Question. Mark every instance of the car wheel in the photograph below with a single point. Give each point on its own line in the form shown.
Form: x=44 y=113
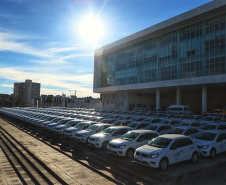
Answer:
x=130 y=153
x=105 y=144
x=163 y=164
x=212 y=153
x=194 y=157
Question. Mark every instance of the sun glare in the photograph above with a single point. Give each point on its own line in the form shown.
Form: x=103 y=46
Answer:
x=91 y=29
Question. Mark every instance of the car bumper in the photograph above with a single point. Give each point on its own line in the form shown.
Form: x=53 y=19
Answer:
x=146 y=162
x=116 y=151
x=80 y=139
x=94 y=144
x=204 y=152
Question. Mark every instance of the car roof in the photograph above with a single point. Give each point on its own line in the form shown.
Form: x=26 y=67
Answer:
x=118 y=127
x=143 y=131
x=173 y=136
x=216 y=131
x=160 y=124
x=102 y=124
x=185 y=127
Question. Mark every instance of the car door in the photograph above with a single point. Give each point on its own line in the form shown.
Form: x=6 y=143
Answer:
x=174 y=154
x=221 y=143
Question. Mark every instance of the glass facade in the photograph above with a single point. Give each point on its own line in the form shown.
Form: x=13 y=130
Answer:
x=193 y=51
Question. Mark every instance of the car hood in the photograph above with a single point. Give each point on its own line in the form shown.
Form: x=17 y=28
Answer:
x=147 y=149
x=53 y=124
x=119 y=141
x=98 y=135
x=202 y=142
x=61 y=126
x=84 y=132
x=72 y=129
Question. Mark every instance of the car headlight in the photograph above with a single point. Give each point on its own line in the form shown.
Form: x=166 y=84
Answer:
x=153 y=155
x=83 y=135
x=99 y=139
x=122 y=146
x=204 y=147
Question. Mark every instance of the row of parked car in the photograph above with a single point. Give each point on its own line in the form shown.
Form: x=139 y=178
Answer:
x=154 y=139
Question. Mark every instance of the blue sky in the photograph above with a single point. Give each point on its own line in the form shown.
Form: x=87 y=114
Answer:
x=41 y=40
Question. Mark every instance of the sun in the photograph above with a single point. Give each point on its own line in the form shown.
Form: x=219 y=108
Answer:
x=91 y=29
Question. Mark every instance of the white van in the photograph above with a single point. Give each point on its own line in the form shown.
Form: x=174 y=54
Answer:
x=179 y=109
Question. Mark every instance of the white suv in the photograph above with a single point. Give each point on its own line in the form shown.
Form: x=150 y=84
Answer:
x=102 y=139
x=129 y=142
x=167 y=149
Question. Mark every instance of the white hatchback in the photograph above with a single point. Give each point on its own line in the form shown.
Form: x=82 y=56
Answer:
x=101 y=140
x=129 y=142
x=211 y=142
x=167 y=149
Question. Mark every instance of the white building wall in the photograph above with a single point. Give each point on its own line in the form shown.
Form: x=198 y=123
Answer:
x=115 y=101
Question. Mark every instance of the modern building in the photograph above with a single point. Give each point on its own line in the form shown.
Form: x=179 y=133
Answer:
x=178 y=61
x=26 y=93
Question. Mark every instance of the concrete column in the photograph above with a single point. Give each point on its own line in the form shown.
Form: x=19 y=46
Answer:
x=204 y=99
x=178 y=98
x=157 y=99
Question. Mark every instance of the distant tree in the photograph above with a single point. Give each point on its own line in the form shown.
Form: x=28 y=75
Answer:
x=27 y=105
x=48 y=100
x=18 y=102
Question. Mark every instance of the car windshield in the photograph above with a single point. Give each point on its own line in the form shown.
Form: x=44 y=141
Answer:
x=108 y=131
x=207 y=136
x=69 y=122
x=151 y=127
x=92 y=128
x=56 y=119
x=130 y=136
x=208 y=127
x=176 y=131
x=184 y=124
x=160 y=142
x=61 y=121
x=132 y=125
x=116 y=123
x=80 y=125
x=164 y=121
x=208 y=119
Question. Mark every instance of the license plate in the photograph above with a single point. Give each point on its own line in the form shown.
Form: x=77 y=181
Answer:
x=140 y=158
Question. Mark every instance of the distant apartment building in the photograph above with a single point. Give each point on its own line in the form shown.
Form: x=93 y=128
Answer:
x=26 y=93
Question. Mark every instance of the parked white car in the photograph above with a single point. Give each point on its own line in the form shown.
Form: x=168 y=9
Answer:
x=83 y=135
x=101 y=140
x=161 y=128
x=60 y=129
x=70 y=132
x=184 y=130
x=211 y=142
x=165 y=150
x=129 y=142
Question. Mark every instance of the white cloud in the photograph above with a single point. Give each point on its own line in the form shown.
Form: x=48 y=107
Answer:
x=8 y=43
x=83 y=84
x=6 y=85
